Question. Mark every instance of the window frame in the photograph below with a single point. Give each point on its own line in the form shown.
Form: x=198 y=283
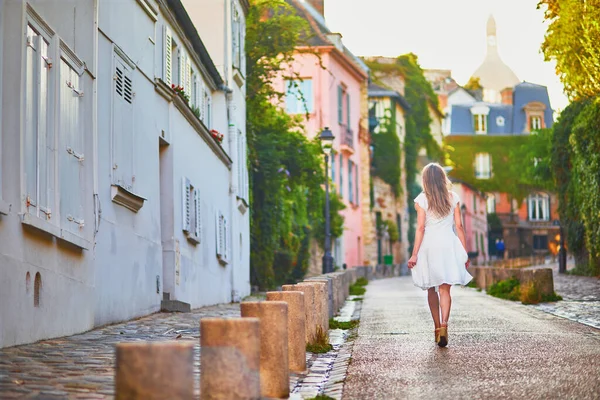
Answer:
x=350 y=181
x=478 y=120
x=341 y=168
x=539 y=124
x=483 y=169
x=536 y=203
x=191 y=211
x=303 y=96
x=52 y=223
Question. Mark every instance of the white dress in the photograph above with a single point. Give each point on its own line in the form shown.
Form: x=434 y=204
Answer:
x=442 y=257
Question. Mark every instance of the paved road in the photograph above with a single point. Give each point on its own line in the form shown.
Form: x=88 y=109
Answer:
x=498 y=350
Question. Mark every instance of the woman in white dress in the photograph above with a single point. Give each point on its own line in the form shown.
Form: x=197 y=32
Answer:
x=439 y=258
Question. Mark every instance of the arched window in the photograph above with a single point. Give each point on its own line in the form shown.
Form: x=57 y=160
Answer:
x=538 y=205
x=37 y=288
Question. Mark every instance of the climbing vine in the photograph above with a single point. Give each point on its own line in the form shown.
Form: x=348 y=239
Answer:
x=387 y=152
x=420 y=95
x=286 y=168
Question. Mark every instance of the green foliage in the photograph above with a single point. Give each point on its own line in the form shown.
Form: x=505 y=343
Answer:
x=532 y=161
x=356 y=290
x=573 y=41
x=321 y=397
x=473 y=84
x=392 y=230
x=420 y=95
x=508 y=289
x=336 y=219
x=361 y=282
x=566 y=186
x=387 y=152
x=286 y=169
x=506 y=165
x=320 y=343
x=334 y=324
x=413 y=191
x=494 y=222
x=585 y=142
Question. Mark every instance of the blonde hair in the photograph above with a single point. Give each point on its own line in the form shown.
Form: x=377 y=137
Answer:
x=436 y=187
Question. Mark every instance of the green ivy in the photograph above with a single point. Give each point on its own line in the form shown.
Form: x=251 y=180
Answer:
x=286 y=168
x=420 y=95
x=387 y=152
x=566 y=187
x=505 y=165
x=585 y=142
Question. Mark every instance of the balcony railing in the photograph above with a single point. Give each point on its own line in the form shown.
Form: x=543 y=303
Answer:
x=347 y=136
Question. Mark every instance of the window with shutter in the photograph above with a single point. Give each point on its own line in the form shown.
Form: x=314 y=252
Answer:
x=357 y=187
x=341 y=189
x=348 y=110
x=188 y=76
x=225 y=240
x=350 y=182
x=180 y=68
x=123 y=136
x=191 y=221
x=208 y=108
x=167 y=56
x=340 y=105
x=71 y=156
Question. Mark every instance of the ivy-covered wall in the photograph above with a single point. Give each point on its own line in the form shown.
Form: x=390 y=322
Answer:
x=504 y=159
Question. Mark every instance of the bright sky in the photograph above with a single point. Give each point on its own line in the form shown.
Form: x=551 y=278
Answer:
x=449 y=34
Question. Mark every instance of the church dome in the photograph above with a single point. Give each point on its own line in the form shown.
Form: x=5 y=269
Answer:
x=494 y=75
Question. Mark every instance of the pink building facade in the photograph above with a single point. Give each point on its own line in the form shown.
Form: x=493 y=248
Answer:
x=327 y=88
x=474 y=212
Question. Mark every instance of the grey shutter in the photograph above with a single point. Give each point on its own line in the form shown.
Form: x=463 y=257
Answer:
x=197 y=220
x=167 y=57
x=186 y=205
x=340 y=105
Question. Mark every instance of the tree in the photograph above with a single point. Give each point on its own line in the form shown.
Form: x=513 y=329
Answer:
x=286 y=169
x=573 y=41
x=473 y=84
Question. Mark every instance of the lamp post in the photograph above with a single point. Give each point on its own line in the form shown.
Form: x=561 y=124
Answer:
x=326 y=143
x=562 y=253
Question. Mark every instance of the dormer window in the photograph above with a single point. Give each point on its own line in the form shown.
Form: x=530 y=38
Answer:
x=480 y=113
x=480 y=124
x=535 y=123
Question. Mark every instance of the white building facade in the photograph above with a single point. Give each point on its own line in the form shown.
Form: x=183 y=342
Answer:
x=117 y=194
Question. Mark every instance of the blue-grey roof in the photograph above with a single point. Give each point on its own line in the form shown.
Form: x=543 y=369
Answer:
x=461 y=119
x=381 y=91
x=525 y=93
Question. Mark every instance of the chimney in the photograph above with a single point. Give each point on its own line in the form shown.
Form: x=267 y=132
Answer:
x=318 y=5
x=507 y=96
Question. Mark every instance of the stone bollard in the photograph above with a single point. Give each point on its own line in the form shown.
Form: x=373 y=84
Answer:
x=159 y=370
x=296 y=328
x=310 y=322
x=328 y=281
x=230 y=354
x=321 y=307
x=274 y=365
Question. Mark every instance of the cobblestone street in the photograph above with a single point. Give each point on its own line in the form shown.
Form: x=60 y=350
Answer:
x=581 y=298
x=82 y=366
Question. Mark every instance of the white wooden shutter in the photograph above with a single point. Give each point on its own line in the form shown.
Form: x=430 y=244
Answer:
x=186 y=205
x=167 y=57
x=200 y=103
x=188 y=77
x=225 y=239
x=219 y=235
x=71 y=157
x=197 y=220
x=181 y=66
x=123 y=130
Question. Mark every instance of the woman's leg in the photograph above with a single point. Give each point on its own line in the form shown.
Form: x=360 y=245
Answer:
x=445 y=302
x=434 y=306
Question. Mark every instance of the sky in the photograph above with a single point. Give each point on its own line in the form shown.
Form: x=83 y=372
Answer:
x=449 y=34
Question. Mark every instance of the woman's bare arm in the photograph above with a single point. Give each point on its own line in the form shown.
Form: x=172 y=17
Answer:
x=460 y=230
x=418 y=235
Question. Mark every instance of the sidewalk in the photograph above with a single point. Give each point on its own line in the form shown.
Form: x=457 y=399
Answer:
x=498 y=350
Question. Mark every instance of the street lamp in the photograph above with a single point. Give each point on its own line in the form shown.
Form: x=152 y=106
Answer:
x=562 y=253
x=327 y=142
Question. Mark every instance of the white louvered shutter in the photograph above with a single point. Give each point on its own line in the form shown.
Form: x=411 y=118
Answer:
x=188 y=77
x=180 y=66
x=167 y=57
x=198 y=220
x=186 y=205
x=200 y=103
x=218 y=235
x=225 y=239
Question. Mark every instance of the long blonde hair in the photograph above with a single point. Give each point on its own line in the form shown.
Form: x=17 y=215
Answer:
x=436 y=187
